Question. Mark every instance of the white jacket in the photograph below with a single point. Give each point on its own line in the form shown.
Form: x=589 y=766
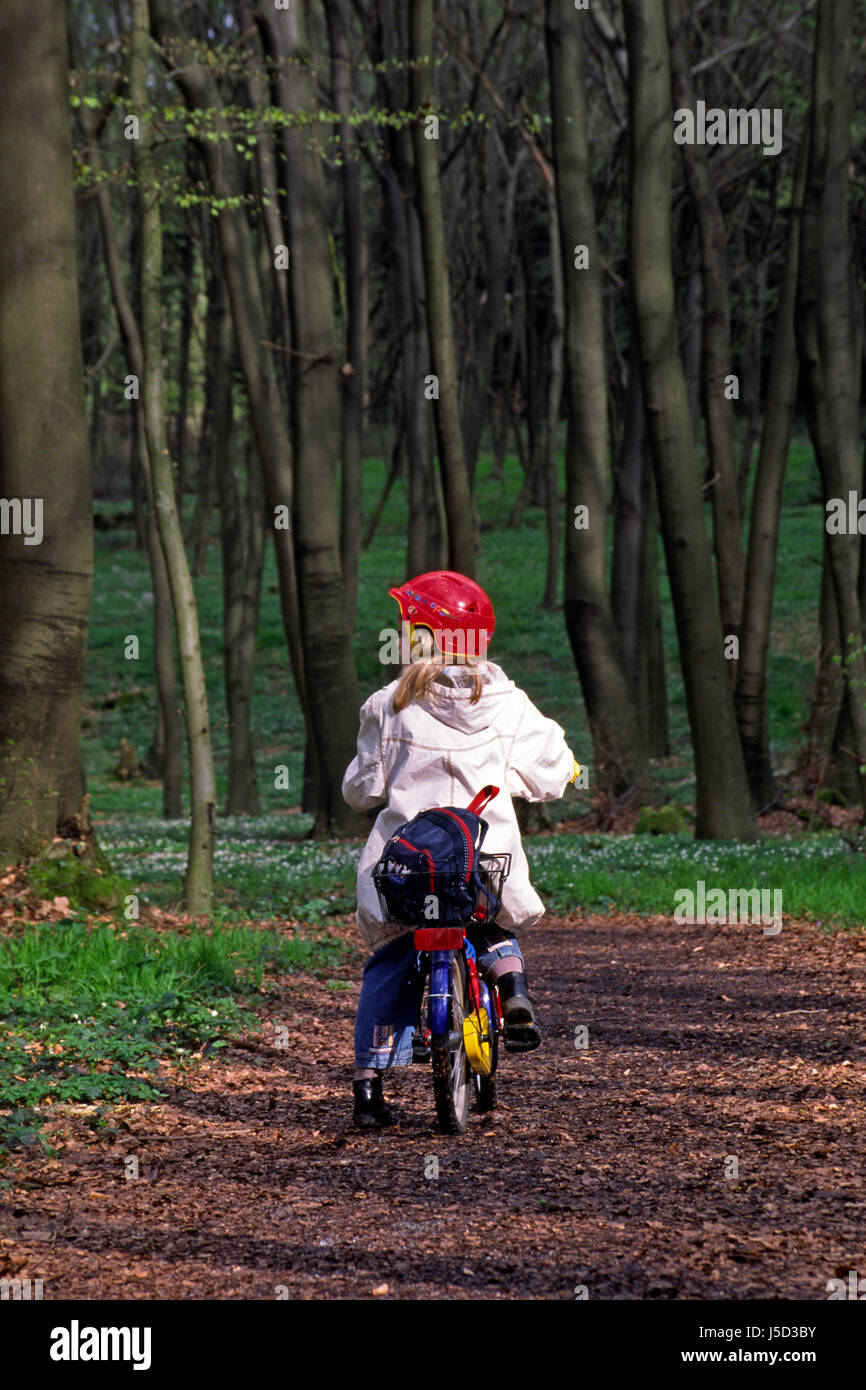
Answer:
x=440 y=751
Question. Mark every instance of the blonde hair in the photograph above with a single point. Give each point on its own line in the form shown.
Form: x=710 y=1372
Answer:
x=419 y=676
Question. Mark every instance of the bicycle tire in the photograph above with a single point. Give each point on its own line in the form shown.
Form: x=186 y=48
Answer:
x=451 y=1083
x=485 y=1086
x=485 y=1093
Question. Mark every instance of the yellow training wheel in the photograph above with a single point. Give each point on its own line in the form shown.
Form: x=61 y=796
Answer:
x=478 y=1042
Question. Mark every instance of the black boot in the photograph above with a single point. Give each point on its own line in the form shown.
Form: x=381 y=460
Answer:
x=522 y=1033
x=371 y=1112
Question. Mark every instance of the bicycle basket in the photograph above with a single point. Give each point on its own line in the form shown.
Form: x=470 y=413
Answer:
x=493 y=870
x=441 y=897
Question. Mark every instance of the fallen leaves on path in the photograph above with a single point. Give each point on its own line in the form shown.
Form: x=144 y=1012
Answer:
x=705 y=1144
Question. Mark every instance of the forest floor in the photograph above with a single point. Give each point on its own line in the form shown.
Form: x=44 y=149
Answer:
x=706 y=1144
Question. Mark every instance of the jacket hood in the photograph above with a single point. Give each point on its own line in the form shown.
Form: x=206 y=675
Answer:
x=450 y=698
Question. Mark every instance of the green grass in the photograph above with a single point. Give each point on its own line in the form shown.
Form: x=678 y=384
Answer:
x=261 y=870
x=821 y=879
x=262 y=873
x=87 y=1014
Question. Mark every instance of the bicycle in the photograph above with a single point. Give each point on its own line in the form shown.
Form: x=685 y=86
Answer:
x=460 y=1014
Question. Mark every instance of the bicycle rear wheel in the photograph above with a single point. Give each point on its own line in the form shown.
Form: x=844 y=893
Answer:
x=451 y=1080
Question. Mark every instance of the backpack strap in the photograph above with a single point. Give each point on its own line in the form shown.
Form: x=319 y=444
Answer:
x=480 y=799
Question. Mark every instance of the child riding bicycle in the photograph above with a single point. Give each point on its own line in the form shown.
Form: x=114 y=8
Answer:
x=450 y=723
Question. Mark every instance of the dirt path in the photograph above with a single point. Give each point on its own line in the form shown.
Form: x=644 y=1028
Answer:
x=603 y=1167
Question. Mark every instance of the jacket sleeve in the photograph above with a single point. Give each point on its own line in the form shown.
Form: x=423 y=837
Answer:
x=540 y=764
x=364 y=783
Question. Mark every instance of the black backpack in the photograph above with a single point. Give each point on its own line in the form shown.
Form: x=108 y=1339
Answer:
x=429 y=872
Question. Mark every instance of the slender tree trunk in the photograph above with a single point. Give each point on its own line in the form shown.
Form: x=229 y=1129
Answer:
x=354 y=371
x=752 y=385
x=425 y=538
x=533 y=390
x=242 y=531
x=269 y=185
x=394 y=469
x=452 y=460
x=829 y=689
x=198 y=881
x=619 y=751
x=497 y=218
x=653 y=684
x=332 y=682
x=164 y=758
x=45 y=477
x=694 y=337
x=827 y=331
x=554 y=403
x=634 y=593
x=723 y=803
x=751 y=687
x=718 y=411
x=632 y=491
x=186 y=269
x=407 y=281
x=217 y=415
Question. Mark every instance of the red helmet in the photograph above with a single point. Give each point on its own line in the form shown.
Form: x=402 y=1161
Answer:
x=455 y=609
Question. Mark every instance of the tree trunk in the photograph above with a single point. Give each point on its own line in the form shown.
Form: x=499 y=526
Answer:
x=216 y=420
x=723 y=804
x=269 y=185
x=407 y=277
x=634 y=596
x=332 y=683
x=354 y=370
x=186 y=268
x=827 y=332
x=554 y=403
x=198 y=881
x=619 y=751
x=716 y=338
x=496 y=221
x=424 y=538
x=452 y=461
x=829 y=688
x=632 y=492
x=653 y=684
x=242 y=532
x=534 y=395
x=751 y=686
x=693 y=350
x=751 y=385
x=45 y=478
x=164 y=758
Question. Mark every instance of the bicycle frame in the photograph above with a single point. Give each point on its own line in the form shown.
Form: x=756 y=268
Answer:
x=441 y=944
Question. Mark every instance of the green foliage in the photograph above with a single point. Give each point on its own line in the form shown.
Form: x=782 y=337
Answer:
x=830 y=797
x=88 y=889
x=88 y=1013
x=664 y=820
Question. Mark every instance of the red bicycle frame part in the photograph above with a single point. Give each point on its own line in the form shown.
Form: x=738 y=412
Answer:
x=438 y=938
x=474 y=992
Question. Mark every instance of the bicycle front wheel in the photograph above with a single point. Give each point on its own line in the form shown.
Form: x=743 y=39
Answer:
x=451 y=1079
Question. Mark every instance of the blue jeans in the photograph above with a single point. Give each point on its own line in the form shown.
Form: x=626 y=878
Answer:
x=391 y=996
